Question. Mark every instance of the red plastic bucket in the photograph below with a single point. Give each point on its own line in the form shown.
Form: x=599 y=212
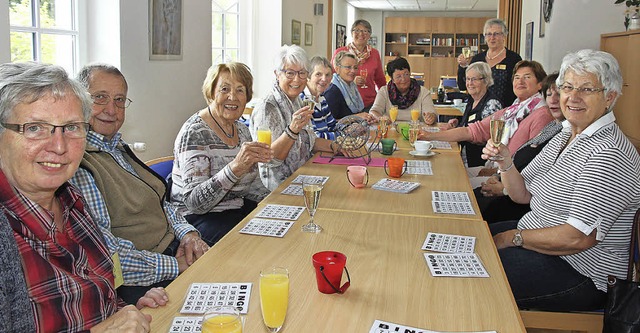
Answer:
x=329 y=266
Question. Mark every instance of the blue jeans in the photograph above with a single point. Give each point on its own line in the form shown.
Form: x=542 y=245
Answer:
x=214 y=225
x=545 y=282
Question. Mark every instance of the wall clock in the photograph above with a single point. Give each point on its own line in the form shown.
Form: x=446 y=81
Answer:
x=547 y=5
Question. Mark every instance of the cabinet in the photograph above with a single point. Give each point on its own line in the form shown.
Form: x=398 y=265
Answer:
x=431 y=44
x=625 y=47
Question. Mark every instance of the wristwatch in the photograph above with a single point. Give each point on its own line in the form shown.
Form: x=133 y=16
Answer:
x=517 y=238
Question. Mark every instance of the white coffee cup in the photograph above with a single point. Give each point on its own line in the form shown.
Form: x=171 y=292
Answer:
x=457 y=102
x=423 y=147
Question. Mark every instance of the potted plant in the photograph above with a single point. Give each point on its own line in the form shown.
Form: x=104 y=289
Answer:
x=631 y=15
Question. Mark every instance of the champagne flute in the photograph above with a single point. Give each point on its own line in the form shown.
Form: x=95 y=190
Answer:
x=274 y=297
x=264 y=136
x=383 y=126
x=311 y=194
x=466 y=52
x=414 y=129
x=363 y=73
x=309 y=101
x=393 y=114
x=497 y=132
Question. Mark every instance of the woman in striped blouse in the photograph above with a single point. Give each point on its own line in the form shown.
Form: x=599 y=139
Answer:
x=583 y=192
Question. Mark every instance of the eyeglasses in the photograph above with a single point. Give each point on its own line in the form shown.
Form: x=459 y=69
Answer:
x=493 y=34
x=102 y=99
x=41 y=131
x=349 y=68
x=290 y=74
x=401 y=76
x=359 y=31
x=567 y=89
x=474 y=79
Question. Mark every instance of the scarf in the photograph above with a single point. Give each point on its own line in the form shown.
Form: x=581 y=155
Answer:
x=518 y=111
x=284 y=102
x=403 y=101
x=362 y=56
x=350 y=93
x=545 y=134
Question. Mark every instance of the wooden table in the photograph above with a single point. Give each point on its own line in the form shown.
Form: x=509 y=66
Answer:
x=389 y=277
x=448 y=110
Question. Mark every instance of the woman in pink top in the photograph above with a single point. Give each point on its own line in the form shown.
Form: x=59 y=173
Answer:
x=368 y=59
x=524 y=119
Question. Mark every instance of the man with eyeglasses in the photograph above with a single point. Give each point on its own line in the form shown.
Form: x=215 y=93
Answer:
x=501 y=60
x=127 y=199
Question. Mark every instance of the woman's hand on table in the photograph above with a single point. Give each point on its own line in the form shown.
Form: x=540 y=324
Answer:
x=371 y=119
x=430 y=118
x=492 y=187
x=128 y=319
x=453 y=123
x=153 y=298
x=249 y=155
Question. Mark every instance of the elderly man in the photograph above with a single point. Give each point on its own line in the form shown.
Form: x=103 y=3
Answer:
x=126 y=198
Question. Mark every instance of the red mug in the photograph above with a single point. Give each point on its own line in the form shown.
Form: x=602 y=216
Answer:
x=395 y=167
x=329 y=266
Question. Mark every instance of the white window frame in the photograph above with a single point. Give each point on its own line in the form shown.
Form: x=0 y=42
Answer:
x=37 y=31
x=224 y=48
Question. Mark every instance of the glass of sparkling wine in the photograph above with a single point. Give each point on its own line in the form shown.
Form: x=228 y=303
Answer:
x=222 y=319
x=264 y=136
x=466 y=52
x=311 y=194
x=274 y=297
x=363 y=73
x=497 y=132
x=414 y=129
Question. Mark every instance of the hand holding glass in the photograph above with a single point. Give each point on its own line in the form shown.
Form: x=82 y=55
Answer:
x=497 y=132
x=363 y=73
x=311 y=193
x=274 y=297
x=466 y=52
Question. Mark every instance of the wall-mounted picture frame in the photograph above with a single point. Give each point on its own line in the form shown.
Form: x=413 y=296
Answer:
x=165 y=29
x=528 y=45
x=296 y=32
x=308 y=34
x=341 y=36
x=541 y=27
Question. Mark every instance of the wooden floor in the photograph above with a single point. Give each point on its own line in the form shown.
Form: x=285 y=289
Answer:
x=536 y=330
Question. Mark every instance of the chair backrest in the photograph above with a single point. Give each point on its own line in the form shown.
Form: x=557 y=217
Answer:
x=161 y=165
x=449 y=81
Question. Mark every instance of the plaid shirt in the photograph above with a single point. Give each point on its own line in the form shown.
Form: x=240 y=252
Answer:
x=139 y=268
x=69 y=275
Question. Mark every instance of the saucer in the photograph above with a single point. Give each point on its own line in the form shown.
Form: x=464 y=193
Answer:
x=416 y=153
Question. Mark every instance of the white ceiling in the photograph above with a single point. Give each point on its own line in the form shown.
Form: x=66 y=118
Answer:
x=425 y=5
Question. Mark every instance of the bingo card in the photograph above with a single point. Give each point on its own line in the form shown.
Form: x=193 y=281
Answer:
x=263 y=227
x=441 y=145
x=450 y=207
x=455 y=265
x=450 y=196
x=386 y=184
x=202 y=296
x=186 y=324
x=310 y=179
x=282 y=212
x=380 y=326
x=293 y=189
x=416 y=167
x=449 y=243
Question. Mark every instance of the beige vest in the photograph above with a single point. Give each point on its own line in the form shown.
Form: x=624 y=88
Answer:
x=134 y=204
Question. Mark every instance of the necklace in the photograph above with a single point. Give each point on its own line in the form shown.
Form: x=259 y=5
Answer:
x=233 y=129
x=495 y=56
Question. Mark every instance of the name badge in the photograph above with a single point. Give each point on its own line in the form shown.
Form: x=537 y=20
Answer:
x=472 y=117
x=117 y=270
x=503 y=67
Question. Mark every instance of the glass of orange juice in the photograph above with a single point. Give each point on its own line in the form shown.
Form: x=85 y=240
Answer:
x=274 y=297
x=264 y=135
x=393 y=114
x=222 y=319
x=415 y=114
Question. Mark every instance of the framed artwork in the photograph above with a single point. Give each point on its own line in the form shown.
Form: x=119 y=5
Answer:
x=341 y=36
x=308 y=34
x=296 y=32
x=165 y=29
x=528 y=46
x=542 y=27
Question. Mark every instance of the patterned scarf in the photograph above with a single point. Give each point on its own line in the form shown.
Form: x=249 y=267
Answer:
x=518 y=111
x=350 y=93
x=403 y=101
x=362 y=56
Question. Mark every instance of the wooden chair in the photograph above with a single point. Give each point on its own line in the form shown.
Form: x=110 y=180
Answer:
x=589 y=322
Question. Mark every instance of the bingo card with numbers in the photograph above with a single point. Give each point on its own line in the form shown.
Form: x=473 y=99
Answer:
x=202 y=296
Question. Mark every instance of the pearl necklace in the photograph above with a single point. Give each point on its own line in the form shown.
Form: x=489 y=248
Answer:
x=495 y=56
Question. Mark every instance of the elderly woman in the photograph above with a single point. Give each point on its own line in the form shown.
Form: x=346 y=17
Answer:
x=558 y=256
x=342 y=96
x=370 y=74
x=523 y=120
x=215 y=173
x=281 y=111
x=481 y=104
x=43 y=131
x=405 y=93
x=493 y=200
x=501 y=60
x=319 y=80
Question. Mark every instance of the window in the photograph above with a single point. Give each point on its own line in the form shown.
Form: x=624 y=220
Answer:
x=44 y=31
x=225 y=32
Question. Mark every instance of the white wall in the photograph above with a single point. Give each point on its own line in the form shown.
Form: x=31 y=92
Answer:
x=5 y=50
x=101 y=34
x=267 y=36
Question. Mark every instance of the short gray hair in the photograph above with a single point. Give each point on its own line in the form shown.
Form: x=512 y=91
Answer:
x=84 y=76
x=484 y=70
x=27 y=82
x=602 y=64
x=496 y=21
x=337 y=61
x=318 y=61
x=365 y=23
x=291 y=55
